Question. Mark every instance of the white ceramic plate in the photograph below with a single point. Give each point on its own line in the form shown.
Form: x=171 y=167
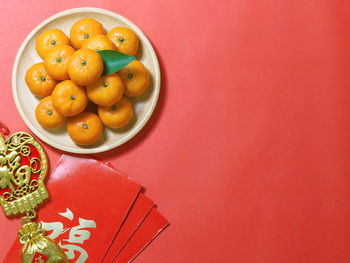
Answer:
x=26 y=102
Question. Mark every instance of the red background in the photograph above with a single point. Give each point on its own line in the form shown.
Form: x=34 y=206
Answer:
x=247 y=153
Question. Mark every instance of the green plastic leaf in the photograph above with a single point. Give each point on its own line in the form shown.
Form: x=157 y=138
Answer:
x=114 y=60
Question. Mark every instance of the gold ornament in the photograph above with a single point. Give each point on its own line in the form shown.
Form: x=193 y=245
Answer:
x=36 y=246
x=23 y=167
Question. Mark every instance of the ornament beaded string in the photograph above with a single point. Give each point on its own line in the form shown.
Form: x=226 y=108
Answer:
x=4 y=130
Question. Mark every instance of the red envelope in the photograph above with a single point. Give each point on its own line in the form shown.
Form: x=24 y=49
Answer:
x=137 y=214
x=151 y=227
x=89 y=202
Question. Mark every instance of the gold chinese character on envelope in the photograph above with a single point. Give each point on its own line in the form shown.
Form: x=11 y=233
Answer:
x=23 y=167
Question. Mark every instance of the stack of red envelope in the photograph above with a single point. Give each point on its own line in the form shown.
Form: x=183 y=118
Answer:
x=96 y=213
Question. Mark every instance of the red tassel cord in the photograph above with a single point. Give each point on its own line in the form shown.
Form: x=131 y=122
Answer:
x=4 y=130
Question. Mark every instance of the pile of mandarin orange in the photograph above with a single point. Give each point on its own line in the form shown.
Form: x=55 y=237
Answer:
x=71 y=76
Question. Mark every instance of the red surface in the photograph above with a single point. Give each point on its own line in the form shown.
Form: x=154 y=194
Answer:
x=135 y=218
x=247 y=153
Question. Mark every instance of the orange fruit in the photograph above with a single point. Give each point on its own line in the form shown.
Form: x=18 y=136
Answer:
x=124 y=39
x=98 y=42
x=56 y=61
x=69 y=99
x=50 y=39
x=47 y=116
x=85 y=66
x=84 y=29
x=117 y=115
x=106 y=91
x=135 y=78
x=85 y=128
x=38 y=80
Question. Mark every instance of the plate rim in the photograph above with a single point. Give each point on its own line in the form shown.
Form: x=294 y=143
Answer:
x=139 y=126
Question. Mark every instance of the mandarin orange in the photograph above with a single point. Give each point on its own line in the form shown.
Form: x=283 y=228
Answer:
x=85 y=128
x=56 y=61
x=117 y=115
x=98 y=42
x=84 y=29
x=124 y=39
x=106 y=91
x=85 y=66
x=47 y=116
x=39 y=81
x=50 y=39
x=135 y=78
x=69 y=99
